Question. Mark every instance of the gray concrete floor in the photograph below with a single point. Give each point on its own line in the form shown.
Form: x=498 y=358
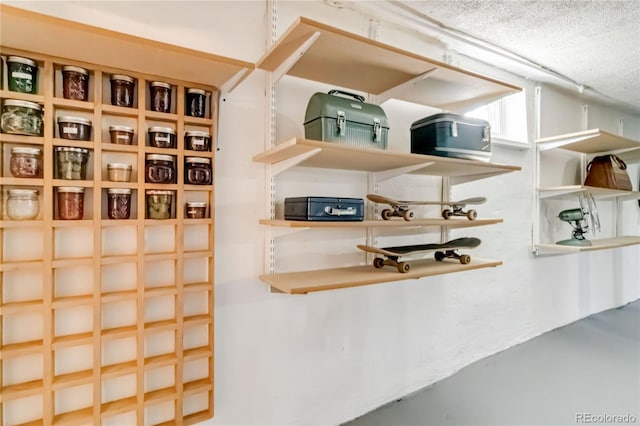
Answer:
x=590 y=367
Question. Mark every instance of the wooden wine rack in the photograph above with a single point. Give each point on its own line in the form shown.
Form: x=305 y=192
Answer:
x=107 y=321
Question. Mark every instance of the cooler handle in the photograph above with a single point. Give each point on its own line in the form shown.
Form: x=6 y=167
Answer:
x=349 y=211
x=377 y=130
x=342 y=92
x=341 y=123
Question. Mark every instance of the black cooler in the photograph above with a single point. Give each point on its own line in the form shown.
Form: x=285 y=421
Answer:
x=326 y=209
x=452 y=135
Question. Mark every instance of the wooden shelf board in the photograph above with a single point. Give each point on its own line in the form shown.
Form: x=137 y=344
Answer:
x=197 y=417
x=120 y=406
x=197 y=386
x=38 y=422
x=116 y=296
x=71 y=262
x=335 y=156
x=59 y=223
x=21 y=223
x=570 y=192
x=13 y=181
x=207 y=188
x=120 y=111
x=591 y=141
x=451 y=223
x=72 y=379
x=8 y=94
x=597 y=244
x=65 y=302
x=13 y=350
x=165 y=151
x=158 y=257
x=74 y=144
x=121 y=369
x=331 y=279
x=64 y=182
x=21 y=307
x=21 y=390
x=119 y=148
x=129 y=185
x=158 y=326
x=160 y=222
x=161 y=116
x=81 y=416
x=195 y=287
x=62 y=103
x=160 y=361
x=72 y=340
x=21 y=265
x=375 y=67
x=160 y=395
x=206 y=221
x=195 y=353
x=196 y=254
x=169 y=290
x=197 y=320
x=21 y=139
x=111 y=260
x=58 y=37
x=110 y=223
x=197 y=121
x=119 y=332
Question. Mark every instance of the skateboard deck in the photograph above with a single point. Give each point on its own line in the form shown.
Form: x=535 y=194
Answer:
x=449 y=250
x=400 y=208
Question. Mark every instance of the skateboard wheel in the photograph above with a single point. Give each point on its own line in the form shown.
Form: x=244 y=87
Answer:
x=387 y=214
x=465 y=259
x=439 y=256
x=447 y=213
x=403 y=267
x=408 y=215
x=472 y=214
x=378 y=262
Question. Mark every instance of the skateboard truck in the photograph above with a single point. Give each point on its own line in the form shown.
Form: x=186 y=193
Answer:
x=402 y=267
x=456 y=210
x=399 y=211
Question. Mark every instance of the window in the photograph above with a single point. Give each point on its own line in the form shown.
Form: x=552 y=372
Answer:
x=507 y=117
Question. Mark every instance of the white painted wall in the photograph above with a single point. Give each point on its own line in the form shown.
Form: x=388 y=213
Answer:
x=328 y=357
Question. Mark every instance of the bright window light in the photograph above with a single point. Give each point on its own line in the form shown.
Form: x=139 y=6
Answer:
x=507 y=117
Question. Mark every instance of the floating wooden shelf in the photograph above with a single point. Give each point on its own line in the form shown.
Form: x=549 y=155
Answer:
x=308 y=153
x=571 y=191
x=331 y=279
x=598 y=244
x=592 y=141
x=330 y=55
x=452 y=223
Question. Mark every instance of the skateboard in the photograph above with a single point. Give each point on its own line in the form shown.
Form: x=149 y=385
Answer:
x=445 y=250
x=401 y=208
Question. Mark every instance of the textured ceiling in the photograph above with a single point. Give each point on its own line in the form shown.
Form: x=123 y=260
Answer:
x=594 y=43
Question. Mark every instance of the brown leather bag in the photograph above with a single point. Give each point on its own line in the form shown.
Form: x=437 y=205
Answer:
x=608 y=171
